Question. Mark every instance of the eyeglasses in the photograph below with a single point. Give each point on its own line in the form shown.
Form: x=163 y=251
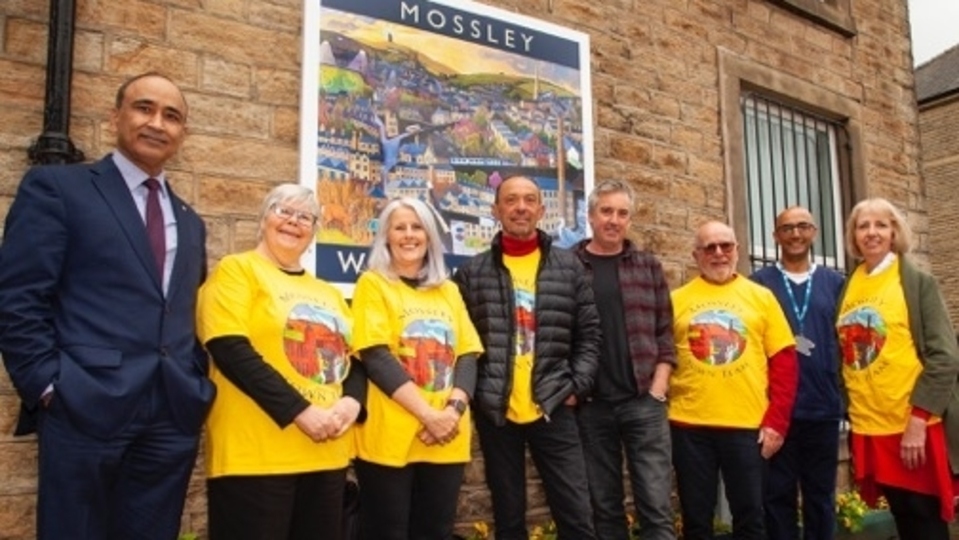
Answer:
x=803 y=227
x=724 y=247
x=303 y=219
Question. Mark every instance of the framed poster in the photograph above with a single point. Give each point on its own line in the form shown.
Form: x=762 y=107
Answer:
x=438 y=100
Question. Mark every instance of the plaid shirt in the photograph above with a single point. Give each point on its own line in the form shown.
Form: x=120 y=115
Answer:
x=648 y=310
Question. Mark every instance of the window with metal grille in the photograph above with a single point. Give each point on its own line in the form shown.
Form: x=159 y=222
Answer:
x=793 y=157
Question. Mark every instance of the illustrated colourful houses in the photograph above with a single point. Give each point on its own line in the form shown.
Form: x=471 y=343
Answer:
x=315 y=350
x=427 y=360
x=715 y=344
x=526 y=324
x=860 y=343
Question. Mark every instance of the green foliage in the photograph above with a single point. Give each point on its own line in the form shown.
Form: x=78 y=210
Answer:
x=335 y=80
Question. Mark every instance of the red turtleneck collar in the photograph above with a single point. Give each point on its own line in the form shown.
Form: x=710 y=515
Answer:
x=515 y=247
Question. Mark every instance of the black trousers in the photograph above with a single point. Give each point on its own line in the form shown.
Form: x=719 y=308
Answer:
x=304 y=506
x=557 y=452
x=415 y=502
x=916 y=514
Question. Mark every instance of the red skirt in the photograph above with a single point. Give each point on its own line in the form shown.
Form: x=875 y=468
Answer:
x=876 y=461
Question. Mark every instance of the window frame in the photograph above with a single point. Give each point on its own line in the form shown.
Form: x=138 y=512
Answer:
x=833 y=14
x=738 y=75
x=770 y=112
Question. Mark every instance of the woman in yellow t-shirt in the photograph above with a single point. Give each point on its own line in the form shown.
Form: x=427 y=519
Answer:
x=900 y=364
x=419 y=347
x=278 y=439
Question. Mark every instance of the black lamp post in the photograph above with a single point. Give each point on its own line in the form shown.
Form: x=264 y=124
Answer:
x=54 y=144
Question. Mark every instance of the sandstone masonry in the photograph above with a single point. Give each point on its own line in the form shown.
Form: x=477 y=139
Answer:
x=660 y=70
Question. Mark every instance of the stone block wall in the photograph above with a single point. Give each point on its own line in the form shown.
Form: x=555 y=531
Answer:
x=940 y=164
x=656 y=79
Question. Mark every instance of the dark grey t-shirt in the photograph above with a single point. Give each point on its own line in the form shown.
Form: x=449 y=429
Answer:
x=615 y=381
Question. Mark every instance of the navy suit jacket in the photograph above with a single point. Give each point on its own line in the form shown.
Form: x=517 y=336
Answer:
x=82 y=303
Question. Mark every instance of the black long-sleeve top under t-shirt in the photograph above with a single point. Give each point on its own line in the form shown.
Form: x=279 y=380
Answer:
x=386 y=372
x=243 y=366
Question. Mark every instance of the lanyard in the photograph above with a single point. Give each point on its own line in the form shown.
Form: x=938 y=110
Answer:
x=800 y=313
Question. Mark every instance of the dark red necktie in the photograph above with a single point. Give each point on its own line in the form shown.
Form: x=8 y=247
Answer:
x=155 y=228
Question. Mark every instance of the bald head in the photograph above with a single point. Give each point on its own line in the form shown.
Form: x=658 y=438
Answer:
x=713 y=228
x=795 y=232
x=715 y=252
x=794 y=214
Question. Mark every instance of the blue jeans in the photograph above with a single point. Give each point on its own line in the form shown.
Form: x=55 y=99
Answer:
x=639 y=428
x=556 y=450
x=807 y=462
x=700 y=454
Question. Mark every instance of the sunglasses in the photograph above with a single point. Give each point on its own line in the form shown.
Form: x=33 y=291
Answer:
x=724 y=247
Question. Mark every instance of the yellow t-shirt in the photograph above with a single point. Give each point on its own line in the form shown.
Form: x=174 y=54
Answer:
x=426 y=330
x=880 y=364
x=724 y=335
x=301 y=327
x=522 y=409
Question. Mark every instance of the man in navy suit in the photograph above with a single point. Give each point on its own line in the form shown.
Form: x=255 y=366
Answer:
x=99 y=270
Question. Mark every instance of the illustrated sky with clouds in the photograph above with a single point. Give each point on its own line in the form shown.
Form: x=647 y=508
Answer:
x=448 y=51
x=524 y=298
x=865 y=317
x=720 y=318
x=432 y=328
x=305 y=312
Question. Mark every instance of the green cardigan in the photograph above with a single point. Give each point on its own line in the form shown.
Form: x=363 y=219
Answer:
x=935 y=339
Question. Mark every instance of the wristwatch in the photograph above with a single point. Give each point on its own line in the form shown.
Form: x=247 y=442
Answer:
x=458 y=405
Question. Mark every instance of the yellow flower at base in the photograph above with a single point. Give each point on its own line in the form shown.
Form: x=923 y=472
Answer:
x=850 y=511
x=480 y=531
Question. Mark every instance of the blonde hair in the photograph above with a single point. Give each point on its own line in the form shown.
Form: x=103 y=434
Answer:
x=902 y=232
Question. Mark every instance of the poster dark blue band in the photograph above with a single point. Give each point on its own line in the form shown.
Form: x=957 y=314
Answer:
x=465 y=25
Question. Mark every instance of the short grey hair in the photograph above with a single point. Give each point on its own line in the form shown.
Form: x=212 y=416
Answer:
x=902 y=232
x=611 y=186
x=434 y=271
x=288 y=193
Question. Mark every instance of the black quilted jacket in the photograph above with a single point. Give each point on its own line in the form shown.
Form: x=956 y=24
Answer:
x=568 y=335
